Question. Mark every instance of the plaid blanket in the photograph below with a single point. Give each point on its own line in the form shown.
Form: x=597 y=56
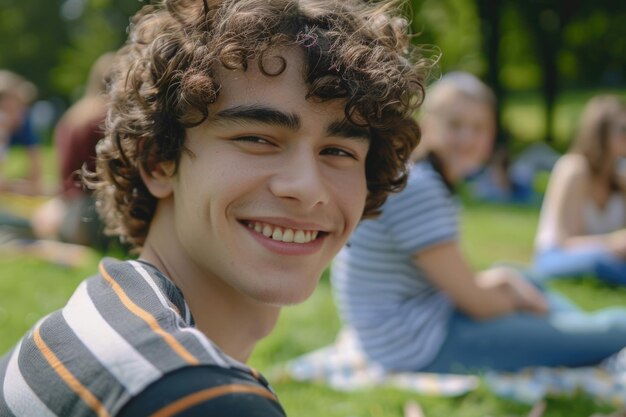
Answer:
x=344 y=366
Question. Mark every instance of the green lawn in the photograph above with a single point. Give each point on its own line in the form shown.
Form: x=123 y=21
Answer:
x=30 y=288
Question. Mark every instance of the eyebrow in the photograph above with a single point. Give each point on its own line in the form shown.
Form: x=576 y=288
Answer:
x=260 y=114
x=270 y=116
x=345 y=129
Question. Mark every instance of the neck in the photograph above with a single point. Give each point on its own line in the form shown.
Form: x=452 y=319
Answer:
x=230 y=319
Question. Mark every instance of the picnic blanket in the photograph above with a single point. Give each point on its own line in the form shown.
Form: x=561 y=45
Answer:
x=343 y=366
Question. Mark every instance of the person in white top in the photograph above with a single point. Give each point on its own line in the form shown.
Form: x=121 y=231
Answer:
x=582 y=226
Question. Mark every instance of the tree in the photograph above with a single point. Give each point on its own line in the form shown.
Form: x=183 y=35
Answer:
x=99 y=27
x=452 y=27
x=32 y=33
x=54 y=42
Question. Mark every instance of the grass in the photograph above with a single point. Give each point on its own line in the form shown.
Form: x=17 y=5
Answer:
x=31 y=288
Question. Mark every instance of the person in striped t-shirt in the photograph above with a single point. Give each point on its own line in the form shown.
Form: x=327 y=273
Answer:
x=412 y=298
x=244 y=141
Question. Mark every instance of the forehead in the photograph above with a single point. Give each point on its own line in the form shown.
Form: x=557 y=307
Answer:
x=464 y=107
x=10 y=101
x=285 y=91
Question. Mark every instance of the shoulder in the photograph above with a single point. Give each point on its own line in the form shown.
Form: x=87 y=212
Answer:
x=423 y=183
x=421 y=215
x=146 y=309
x=425 y=194
x=572 y=165
x=205 y=390
x=424 y=173
x=570 y=169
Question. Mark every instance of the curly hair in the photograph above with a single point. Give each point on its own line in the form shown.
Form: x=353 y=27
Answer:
x=163 y=82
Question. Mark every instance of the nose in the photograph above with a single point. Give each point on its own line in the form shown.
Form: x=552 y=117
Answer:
x=301 y=179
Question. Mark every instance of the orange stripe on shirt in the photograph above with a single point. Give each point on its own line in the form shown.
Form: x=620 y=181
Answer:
x=193 y=400
x=149 y=319
x=74 y=384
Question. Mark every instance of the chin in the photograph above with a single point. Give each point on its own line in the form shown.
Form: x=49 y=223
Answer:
x=280 y=296
x=298 y=298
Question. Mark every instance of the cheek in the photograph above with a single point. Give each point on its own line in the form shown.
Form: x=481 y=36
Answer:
x=446 y=136
x=350 y=193
x=438 y=137
x=485 y=143
x=442 y=143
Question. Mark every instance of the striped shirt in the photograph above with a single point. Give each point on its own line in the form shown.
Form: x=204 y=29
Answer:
x=400 y=318
x=126 y=345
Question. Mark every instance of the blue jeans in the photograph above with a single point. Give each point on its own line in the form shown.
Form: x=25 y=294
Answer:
x=567 y=336
x=590 y=261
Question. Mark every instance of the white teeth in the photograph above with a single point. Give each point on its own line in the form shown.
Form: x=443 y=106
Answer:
x=284 y=235
x=278 y=234
x=288 y=236
x=298 y=236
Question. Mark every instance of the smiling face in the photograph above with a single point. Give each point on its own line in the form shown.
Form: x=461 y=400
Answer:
x=270 y=190
x=461 y=133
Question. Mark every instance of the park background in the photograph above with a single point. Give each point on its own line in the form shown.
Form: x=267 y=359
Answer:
x=544 y=59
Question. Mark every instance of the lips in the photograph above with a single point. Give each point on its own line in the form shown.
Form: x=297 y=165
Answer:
x=283 y=234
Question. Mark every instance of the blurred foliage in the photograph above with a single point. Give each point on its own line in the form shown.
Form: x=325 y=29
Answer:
x=453 y=27
x=588 y=36
x=595 y=43
x=32 y=33
x=54 y=42
x=101 y=27
x=521 y=69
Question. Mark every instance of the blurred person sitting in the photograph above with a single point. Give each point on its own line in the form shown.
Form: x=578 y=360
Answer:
x=16 y=95
x=406 y=289
x=71 y=216
x=508 y=179
x=581 y=229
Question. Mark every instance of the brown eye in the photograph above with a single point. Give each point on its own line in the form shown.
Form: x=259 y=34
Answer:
x=338 y=152
x=252 y=139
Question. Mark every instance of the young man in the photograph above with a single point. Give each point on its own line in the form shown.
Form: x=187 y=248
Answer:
x=244 y=141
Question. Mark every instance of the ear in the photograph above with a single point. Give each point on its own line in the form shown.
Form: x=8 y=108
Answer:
x=159 y=179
